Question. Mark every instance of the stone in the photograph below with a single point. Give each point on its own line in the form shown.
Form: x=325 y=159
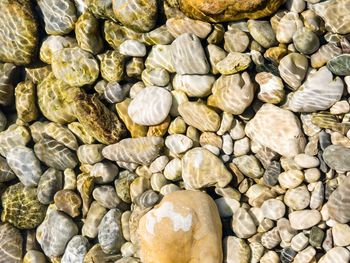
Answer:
x=271 y=87
x=90 y=153
x=289 y=23
x=297 y=198
x=262 y=33
x=158 y=36
x=339 y=65
x=293 y=68
x=299 y=242
x=242 y=224
x=213 y=11
x=11 y=243
x=34 y=256
x=341 y=235
x=304 y=219
x=273 y=209
x=95 y=254
x=150 y=106
x=68 y=201
x=201 y=168
x=6 y=174
x=306 y=161
x=265 y=129
x=324 y=54
x=285 y=230
x=227 y=206
x=61 y=134
x=236 y=250
x=51 y=181
x=139 y=15
x=271 y=239
x=338 y=203
x=232 y=93
x=233 y=63
x=306 y=41
x=179 y=26
x=249 y=166
x=200 y=116
x=270 y=257
x=311 y=96
x=25 y=165
x=55 y=232
x=6 y=75
x=178 y=143
x=132 y=48
x=135 y=150
x=188 y=55
x=235 y=40
x=173 y=170
x=160 y=56
x=76 y=250
x=93 y=220
x=25 y=101
x=291 y=178
x=336 y=157
x=112 y=65
x=287 y=255
x=14 y=135
x=334 y=14
x=341 y=254
x=110 y=234
x=52 y=44
x=316 y=237
x=19 y=34
x=59 y=16
x=106 y=195
x=194 y=85
x=173 y=219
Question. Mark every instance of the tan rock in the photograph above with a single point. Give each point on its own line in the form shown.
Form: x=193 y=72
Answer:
x=184 y=227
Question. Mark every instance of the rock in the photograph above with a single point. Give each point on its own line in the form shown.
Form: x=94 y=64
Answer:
x=93 y=220
x=299 y=242
x=18 y=36
x=95 y=254
x=235 y=40
x=312 y=96
x=339 y=65
x=336 y=157
x=11 y=243
x=287 y=255
x=158 y=36
x=61 y=134
x=201 y=168
x=98 y=120
x=291 y=178
x=59 y=16
x=265 y=129
x=114 y=92
x=341 y=235
x=249 y=166
x=285 y=230
x=271 y=87
x=194 y=85
x=106 y=196
x=271 y=239
x=26 y=107
x=161 y=57
x=188 y=55
x=293 y=68
x=236 y=250
x=55 y=155
x=101 y=8
x=213 y=11
x=6 y=77
x=273 y=209
x=334 y=13
x=338 y=204
x=289 y=23
x=90 y=153
x=33 y=256
x=306 y=161
x=112 y=65
x=76 y=250
x=25 y=165
x=304 y=219
x=341 y=254
x=55 y=232
x=178 y=143
x=200 y=116
x=316 y=237
x=232 y=93
x=297 y=198
x=262 y=33
x=14 y=135
x=139 y=15
x=51 y=181
x=227 y=206
x=324 y=54
x=6 y=174
x=137 y=150
x=306 y=41
x=52 y=44
x=68 y=201
x=150 y=106
x=242 y=224
x=179 y=26
x=173 y=219
x=270 y=257
x=110 y=235
x=132 y=48
x=234 y=62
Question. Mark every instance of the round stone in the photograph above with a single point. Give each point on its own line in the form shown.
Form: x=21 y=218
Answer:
x=273 y=209
x=340 y=65
x=304 y=219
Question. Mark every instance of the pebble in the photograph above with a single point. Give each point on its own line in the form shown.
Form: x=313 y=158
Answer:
x=306 y=41
x=316 y=237
x=235 y=40
x=51 y=181
x=173 y=170
x=236 y=250
x=55 y=232
x=271 y=87
x=287 y=255
x=249 y=166
x=178 y=143
x=104 y=172
x=76 y=250
x=336 y=157
x=68 y=201
x=271 y=239
x=11 y=243
x=132 y=48
x=306 y=161
x=342 y=255
x=270 y=257
x=234 y=62
x=341 y=235
x=324 y=54
x=106 y=196
x=262 y=33
x=339 y=65
x=242 y=224
x=317 y=196
x=179 y=26
x=227 y=206
x=291 y=178
x=93 y=219
x=194 y=85
x=15 y=135
x=312 y=175
x=293 y=68
x=265 y=127
x=33 y=256
x=304 y=219
x=287 y=26
x=150 y=106
x=271 y=173
x=299 y=242
x=273 y=209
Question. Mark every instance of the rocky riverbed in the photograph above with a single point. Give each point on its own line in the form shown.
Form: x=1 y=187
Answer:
x=174 y=131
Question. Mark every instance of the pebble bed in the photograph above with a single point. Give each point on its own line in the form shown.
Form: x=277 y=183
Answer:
x=155 y=132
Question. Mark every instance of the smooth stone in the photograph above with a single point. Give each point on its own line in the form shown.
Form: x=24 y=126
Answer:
x=188 y=55
x=110 y=234
x=201 y=168
x=304 y=219
x=299 y=242
x=194 y=85
x=178 y=26
x=215 y=55
x=26 y=107
x=340 y=254
x=316 y=237
x=11 y=243
x=55 y=232
x=340 y=107
x=233 y=63
x=160 y=56
x=307 y=255
x=270 y=257
x=14 y=135
x=334 y=13
x=227 y=206
x=241 y=147
x=76 y=250
x=337 y=157
x=271 y=87
x=132 y=48
x=324 y=54
x=93 y=219
x=338 y=203
x=319 y=92
x=317 y=196
x=242 y=224
x=235 y=40
x=289 y=23
x=271 y=173
x=249 y=166
x=150 y=106
x=95 y=254
x=306 y=161
x=341 y=235
x=340 y=65
x=51 y=181
x=297 y=198
x=273 y=209
x=68 y=201
x=25 y=165
x=265 y=128
x=114 y=92
x=157 y=77
x=61 y=134
x=293 y=68
x=291 y=178
x=285 y=230
x=262 y=33
x=200 y=116
x=172 y=220
x=106 y=196
x=34 y=256
x=135 y=150
x=90 y=153
x=232 y=93
x=271 y=239
x=306 y=41
x=52 y=44
x=287 y=255
x=104 y=172
x=6 y=174
x=173 y=170
x=178 y=143
x=236 y=250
